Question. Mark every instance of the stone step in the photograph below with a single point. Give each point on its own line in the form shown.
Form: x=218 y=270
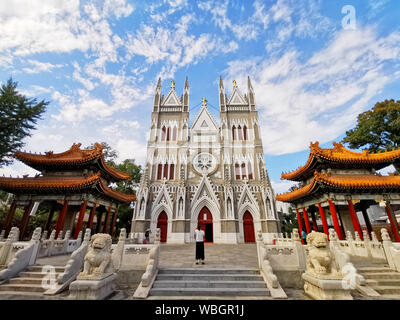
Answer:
x=374 y=269
x=207 y=271
x=208 y=284
x=381 y=275
x=210 y=277
x=387 y=290
x=39 y=268
x=210 y=292
x=22 y=287
x=23 y=280
x=383 y=282
x=38 y=275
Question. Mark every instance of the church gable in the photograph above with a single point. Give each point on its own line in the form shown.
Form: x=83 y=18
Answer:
x=205 y=121
x=171 y=99
x=162 y=198
x=236 y=98
x=205 y=189
x=247 y=198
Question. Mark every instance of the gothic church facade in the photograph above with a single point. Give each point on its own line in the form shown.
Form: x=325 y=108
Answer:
x=205 y=172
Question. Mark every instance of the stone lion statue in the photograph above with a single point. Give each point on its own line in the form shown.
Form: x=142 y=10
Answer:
x=97 y=262
x=320 y=260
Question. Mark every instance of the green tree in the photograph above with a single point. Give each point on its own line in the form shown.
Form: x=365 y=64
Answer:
x=289 y=221
x=377 y=129
x=18 y=116
x=125 y=211
x=110 y=155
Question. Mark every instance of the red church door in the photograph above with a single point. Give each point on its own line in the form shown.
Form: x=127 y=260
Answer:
x=206 y=223
x=248 y=228
x=162 y=223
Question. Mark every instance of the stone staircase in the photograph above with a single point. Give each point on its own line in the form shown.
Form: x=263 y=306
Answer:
x=383 y=280
x=210 y=282
x=28 y=282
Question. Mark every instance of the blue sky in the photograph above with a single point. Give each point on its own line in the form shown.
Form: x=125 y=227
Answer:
x=98 y=61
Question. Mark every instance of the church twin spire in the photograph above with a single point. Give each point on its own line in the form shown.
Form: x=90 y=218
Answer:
x=236 y=102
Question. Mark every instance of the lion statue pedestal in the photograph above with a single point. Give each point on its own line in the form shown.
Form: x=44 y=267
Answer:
x=323 y=281
x=97 y=280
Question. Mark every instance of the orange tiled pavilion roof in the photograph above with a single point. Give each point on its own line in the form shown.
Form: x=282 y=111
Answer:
x=74 y=157
x=359 y=184
x=55 y=184
x=339 y=156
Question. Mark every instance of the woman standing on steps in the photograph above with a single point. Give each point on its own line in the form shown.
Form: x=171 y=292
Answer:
x=199 y=237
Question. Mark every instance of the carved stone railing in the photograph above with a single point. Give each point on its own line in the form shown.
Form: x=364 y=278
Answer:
x=60 y=246
x=151 y=269
x=16 y=255
x=266 y=268
x=392 y=251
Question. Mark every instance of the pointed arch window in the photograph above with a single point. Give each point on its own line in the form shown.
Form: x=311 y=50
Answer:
x=234 y=133
x=159 y=172
x=243 y=166
x=244 y=132
x=240 y=135
x=168 y=133
x=237 y=171
x=250 y=171
x=165 y=171
x=171 y=171
x=163 y=133
x=174 y=130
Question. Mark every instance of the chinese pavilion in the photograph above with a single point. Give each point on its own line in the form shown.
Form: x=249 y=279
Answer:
x=71 y=183
x=345 y=182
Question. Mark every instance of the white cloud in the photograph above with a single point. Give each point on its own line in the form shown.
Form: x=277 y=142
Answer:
x=38 y=67
x=175 y=47
x=131 y=149
x=320 y=98
x=282 y=186
x=29 y=27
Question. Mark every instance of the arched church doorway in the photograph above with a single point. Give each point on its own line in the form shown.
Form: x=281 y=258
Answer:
x=162 y=223
x=248 y=227
x=206 y=223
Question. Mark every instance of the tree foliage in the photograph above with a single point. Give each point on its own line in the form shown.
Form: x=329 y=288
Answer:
x=289 y=222
x=110 y=155
x=18 y=116
x=377 y=129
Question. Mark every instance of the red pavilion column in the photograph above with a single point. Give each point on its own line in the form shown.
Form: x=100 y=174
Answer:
x=314 y=221
x=393 y=222
x=91 y=217
x=61 y=218
x=113 y=221
x=335 y=219
x=107 y=222
x=80 y=219
x=323 y=219
x=300 y=225
x=10 y=216
x=354 y=218
x=306 y=221
x=25 y=219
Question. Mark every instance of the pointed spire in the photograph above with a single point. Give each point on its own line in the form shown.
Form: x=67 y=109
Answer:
x=186 y=83
x=221 y=83
x=249 y=85
x=158 y=84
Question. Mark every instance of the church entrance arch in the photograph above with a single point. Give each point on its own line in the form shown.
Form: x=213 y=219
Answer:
x=248 y=227
x=162 y=223
x=205 y=221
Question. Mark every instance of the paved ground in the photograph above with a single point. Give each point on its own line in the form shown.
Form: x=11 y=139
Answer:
x=216 y=255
